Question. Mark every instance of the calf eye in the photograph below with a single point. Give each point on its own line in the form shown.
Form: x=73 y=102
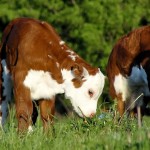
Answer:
x=91 y=93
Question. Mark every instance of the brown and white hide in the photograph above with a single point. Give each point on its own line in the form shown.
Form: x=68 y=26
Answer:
x=37 y=65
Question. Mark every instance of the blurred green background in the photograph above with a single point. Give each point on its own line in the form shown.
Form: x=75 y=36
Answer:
x=89 y=27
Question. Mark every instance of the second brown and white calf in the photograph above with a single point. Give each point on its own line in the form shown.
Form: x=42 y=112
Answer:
x=37 y=64
x=128 y=70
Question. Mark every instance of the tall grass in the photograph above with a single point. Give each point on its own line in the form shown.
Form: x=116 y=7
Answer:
x=73 y=133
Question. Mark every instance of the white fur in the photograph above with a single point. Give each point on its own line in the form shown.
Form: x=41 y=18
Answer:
x=126 y=86
x=42 y=85
x=71 y=52
x=79 y=97
x=121 y=86
x=30 y=130
x=61 y=42
x=72 y=55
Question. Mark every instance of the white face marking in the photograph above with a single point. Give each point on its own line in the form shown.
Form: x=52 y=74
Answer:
x=61 y=42
x=80 y=97
x=137 y=80
x=42 y=85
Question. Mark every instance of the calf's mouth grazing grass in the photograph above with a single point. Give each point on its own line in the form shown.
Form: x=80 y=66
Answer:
x=72 y=132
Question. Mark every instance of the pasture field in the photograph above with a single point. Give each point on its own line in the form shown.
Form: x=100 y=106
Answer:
x=72 y=133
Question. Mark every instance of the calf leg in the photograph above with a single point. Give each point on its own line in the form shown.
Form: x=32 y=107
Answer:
x=47 y=110
x=120 y=105
x=24 y=109
x=24 y=106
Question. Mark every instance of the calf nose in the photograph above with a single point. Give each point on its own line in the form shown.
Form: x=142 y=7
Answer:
x=92 y=115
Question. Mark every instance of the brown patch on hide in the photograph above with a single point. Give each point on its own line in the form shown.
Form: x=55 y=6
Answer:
x=77 y=82
x=47 y=111
x=120 y=104
x=77 y=70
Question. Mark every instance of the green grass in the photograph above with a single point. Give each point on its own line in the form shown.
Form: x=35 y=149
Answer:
x=72 y=133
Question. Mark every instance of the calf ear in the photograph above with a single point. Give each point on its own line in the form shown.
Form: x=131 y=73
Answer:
x=77 y=71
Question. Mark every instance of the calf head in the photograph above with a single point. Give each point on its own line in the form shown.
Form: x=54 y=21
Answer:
x=83 y=89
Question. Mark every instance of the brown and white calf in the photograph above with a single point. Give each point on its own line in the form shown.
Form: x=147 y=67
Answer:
x=128 y=70
x=37 y=64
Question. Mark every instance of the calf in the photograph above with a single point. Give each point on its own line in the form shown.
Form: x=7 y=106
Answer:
x=37 y=64
x=128 y=70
